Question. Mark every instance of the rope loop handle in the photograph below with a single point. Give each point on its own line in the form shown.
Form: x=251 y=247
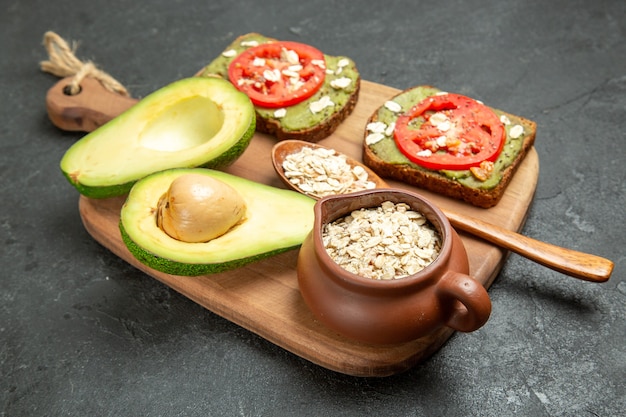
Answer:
x=62 y=62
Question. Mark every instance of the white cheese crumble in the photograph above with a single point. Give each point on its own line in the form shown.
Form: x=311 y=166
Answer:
x=321 y=104
x=440 y=121
x=344 y=62
x=373 y=138
x=425 y=153
x=390 y=129
x=249 y=43
x=319 y=63
x=376 y=127
x=340 y=83
x=393 y=106
x=279 y=113
x=272 y=75
x=230 y=53
x=291 y=74
x=295 y=83
x=291 y=56
x=516 y=131
x=258 y=62
x=505 y=120
x=444 y=126
x=379 y=131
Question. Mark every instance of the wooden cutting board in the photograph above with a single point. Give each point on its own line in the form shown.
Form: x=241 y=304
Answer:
x=263 y=297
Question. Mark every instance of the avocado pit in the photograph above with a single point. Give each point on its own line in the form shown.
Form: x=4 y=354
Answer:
x=197 y=208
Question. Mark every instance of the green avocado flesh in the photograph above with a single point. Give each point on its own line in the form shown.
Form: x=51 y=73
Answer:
x=194 y=122
x=387 y=150
x=298 y=117
x=275 y=220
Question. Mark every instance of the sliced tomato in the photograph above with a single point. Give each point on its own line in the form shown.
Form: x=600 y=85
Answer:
x=449 y=131
x=278 y=74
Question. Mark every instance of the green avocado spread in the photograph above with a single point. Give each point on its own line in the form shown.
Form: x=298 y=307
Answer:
x=297 y=117
x=386 y=148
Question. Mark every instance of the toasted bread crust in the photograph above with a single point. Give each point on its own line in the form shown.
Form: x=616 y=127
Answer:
x=439 y=183
x=314 y=133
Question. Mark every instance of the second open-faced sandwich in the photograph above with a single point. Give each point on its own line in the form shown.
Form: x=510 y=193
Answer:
x=447 y=143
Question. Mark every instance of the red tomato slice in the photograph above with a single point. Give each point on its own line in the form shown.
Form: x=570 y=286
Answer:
x=278 y=74
x=449 y=131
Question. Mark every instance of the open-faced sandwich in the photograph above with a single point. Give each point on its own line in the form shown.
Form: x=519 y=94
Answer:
x=298 y=91
x=447 y=143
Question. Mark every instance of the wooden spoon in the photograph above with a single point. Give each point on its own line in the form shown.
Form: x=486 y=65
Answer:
x=570 y=262
x=287 y=147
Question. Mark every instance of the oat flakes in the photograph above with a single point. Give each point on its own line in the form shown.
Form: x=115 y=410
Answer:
x=387 y=242
x=320 y=172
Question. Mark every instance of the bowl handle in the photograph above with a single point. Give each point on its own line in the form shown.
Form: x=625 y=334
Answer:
x=473 y=307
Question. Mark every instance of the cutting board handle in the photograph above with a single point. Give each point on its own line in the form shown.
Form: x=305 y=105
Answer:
x=87 y=110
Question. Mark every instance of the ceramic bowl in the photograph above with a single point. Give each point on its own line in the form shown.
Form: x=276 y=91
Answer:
x=390 y=311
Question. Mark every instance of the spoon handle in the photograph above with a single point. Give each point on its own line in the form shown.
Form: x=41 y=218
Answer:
x=573 y=263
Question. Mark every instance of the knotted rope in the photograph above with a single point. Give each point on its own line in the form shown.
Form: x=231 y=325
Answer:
x=63 y=63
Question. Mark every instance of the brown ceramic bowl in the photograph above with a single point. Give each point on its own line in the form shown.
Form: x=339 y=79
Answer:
x=390 y=311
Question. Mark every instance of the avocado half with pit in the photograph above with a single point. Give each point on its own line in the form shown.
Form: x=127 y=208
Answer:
x=274 y=220
x=194 y=122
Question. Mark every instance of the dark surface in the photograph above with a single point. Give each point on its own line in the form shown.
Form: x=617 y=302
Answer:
x=83 y=333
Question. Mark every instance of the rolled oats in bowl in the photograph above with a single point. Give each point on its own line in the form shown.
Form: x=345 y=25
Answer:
x=387 y=242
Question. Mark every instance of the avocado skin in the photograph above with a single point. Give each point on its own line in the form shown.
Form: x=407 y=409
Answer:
x=190 y=270
x=229 y=157
x=100 y=192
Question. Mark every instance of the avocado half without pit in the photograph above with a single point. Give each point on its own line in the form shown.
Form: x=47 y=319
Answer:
x=194 y=122
x=199 y=221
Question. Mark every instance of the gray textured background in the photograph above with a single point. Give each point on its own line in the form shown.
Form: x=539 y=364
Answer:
x=83 y=333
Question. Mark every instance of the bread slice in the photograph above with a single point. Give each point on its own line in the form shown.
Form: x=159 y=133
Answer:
x=299 y=122
x=383 y=157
